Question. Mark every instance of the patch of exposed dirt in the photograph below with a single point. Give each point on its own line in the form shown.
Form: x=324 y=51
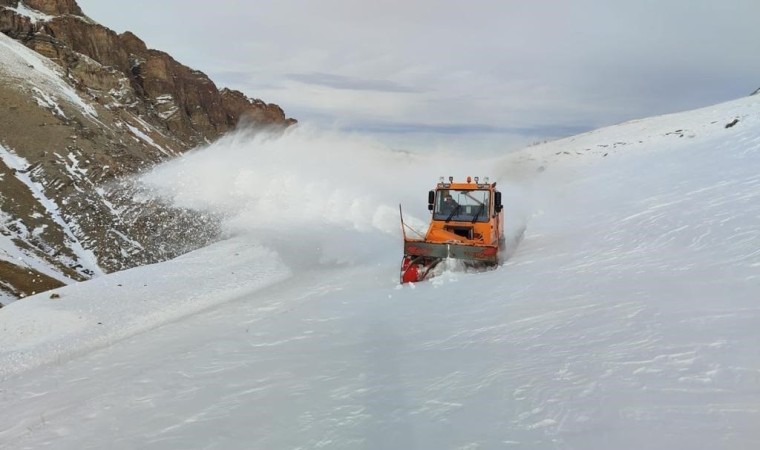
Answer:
x=24 y=281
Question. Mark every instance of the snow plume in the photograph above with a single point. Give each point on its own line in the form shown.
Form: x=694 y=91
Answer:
x=311 y=192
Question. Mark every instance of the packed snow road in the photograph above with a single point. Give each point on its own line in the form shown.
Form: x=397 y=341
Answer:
x=627 y=318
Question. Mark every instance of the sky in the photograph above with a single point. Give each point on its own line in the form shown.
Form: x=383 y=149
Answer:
x=487 y=73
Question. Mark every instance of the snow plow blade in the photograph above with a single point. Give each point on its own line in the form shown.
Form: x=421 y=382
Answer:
x=452 y=250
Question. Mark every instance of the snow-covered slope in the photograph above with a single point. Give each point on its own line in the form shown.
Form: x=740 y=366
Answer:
x=628 y=317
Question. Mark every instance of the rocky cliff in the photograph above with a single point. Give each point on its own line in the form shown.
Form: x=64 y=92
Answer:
x=81 y=109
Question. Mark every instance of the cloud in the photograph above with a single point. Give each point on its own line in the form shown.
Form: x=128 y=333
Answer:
x=548 y=130
x=351 y=83
x=542 y=66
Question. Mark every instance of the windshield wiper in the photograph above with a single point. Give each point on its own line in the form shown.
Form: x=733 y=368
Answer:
x=453 y=213
x=477 y=213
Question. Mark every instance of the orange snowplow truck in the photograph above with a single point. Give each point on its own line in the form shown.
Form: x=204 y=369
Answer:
x=467 y=224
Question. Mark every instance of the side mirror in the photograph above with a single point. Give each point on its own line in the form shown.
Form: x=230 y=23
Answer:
x=431 y=197
x=497 y=202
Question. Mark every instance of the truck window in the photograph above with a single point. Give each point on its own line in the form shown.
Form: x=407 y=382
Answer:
x=462 y=205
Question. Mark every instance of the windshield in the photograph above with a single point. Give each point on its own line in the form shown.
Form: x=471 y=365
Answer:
x=462 y=206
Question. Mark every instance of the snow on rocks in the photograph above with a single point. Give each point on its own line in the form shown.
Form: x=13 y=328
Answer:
x=40 y=76
x=20 y=166
x=145 y=138
x=33 y=15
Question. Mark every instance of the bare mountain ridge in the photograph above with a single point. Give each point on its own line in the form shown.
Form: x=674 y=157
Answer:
x=185 y=100
x=80 y=113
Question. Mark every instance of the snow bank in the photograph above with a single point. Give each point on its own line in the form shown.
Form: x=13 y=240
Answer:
x=75 y=319
x=641 y=136
x=6 y=299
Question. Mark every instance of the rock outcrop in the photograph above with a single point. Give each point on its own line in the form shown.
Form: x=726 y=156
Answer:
x=186 y=100
x=55 y=7
x=89 y=108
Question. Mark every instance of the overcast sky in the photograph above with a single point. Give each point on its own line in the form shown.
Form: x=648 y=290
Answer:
x=511 y=70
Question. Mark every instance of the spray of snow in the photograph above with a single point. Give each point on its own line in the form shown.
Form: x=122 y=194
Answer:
x=318 y=196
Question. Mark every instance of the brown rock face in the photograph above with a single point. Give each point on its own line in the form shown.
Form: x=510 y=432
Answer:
x=144 y=107
x=185 y=101
x=15 y=26
x=55 y=7
x=238 y=108
x=50 y=7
